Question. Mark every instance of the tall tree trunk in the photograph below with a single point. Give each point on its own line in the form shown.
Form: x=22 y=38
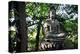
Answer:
x=38 y=33
x=20 y=17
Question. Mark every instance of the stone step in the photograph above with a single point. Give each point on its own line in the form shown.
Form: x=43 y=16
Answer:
x=52 y=40
x=55 y=35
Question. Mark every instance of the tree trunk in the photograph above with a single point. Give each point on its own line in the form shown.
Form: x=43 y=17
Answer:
x=20 y=17
x=38 y=33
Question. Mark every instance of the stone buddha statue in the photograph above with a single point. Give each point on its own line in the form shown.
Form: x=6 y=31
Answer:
x=54 y=36
x=52 y=24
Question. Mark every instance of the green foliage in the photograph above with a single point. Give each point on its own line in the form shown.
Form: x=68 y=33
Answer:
x=32 y=31
x=69 y=26
x=37 y=9
x=71 y=40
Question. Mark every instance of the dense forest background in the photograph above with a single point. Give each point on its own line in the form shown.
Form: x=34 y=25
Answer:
x=33 y=24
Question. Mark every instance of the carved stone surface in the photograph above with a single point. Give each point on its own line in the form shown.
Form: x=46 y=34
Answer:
x=54 y=35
